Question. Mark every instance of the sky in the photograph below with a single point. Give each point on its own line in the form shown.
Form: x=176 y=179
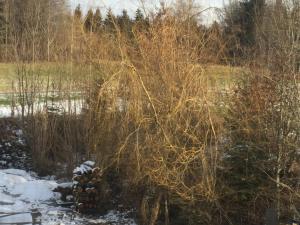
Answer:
x=131 y=5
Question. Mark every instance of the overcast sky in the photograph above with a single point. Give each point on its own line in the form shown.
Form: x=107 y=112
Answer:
x=131 y=5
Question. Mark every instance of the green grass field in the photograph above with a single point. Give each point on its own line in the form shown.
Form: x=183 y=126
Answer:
x=41 y=72
x=219 y=75
x=7 y=75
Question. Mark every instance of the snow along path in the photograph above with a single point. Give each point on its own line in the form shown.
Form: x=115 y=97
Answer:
x=27 y=199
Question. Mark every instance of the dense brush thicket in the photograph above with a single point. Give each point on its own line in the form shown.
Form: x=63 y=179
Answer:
x=189 y=150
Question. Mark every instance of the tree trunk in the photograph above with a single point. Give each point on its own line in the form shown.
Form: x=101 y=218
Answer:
x=155 y=209
x=143 y=211
x=167 y=220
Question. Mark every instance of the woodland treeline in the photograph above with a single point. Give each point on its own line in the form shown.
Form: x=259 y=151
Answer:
x=48 y=31
x=175 y=144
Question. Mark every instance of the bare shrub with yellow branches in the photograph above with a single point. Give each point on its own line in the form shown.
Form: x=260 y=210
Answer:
x=156 y=117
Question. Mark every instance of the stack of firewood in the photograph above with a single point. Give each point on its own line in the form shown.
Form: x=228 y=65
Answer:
x=88 y=189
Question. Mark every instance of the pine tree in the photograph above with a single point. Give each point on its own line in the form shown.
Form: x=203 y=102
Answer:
x=241 y=21
x=125 y=22
x=78 y=12
x=140 y=21
x=2 y=21
x=2 y=6
x=89 y=21
x=109 y=22
x=249 y=12
x=97 y=25
x=139 y=16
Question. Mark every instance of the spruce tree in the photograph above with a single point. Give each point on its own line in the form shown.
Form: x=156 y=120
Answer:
x=97 y=25
x=89 y=21
x=249 y=13
x=139 y=16
x=140 y=21
x=78 y=12
x=241 y=21
x=125 y=22
x=2 y=22
x=109 y=22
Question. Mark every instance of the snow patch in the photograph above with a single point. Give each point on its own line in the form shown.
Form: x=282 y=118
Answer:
x=17 y=218
x=6 y=199
x=23 y=191
x=25 y=198
x=84 y=168
x=36 y=190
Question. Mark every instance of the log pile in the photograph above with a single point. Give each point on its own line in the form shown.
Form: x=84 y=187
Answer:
x=89 y=190
x=66 y=191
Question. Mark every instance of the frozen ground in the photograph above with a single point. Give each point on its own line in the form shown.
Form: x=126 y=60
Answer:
x=27 y=199
x=72 y=106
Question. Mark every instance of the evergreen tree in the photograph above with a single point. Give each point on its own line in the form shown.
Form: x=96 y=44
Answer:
x=140 y=20
x=125 y=22
x=139 y=16
x=2 y=6
x=251 y=12
x=78 y=12
x=97 y=25
x=109 y=22
x=2 y=21
x=89 y=21
x=241 y=21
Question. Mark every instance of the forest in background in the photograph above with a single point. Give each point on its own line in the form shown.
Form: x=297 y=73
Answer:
x=175 y=142
x=47 y=31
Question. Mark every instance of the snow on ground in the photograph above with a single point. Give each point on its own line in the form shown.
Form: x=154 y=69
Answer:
x=74 y=106
x=70 y=106
x=25 y=198
x=5 y=111
x=24 y=191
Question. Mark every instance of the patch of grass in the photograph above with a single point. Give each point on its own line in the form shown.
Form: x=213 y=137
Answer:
x=62 y=73
x=219 y=75
x=5 y=101
x=7 y=71
x=224 y=76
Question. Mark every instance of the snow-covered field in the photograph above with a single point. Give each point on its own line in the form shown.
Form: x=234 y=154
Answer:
x=73 y=106
x=5 y=111
x=27 y=199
